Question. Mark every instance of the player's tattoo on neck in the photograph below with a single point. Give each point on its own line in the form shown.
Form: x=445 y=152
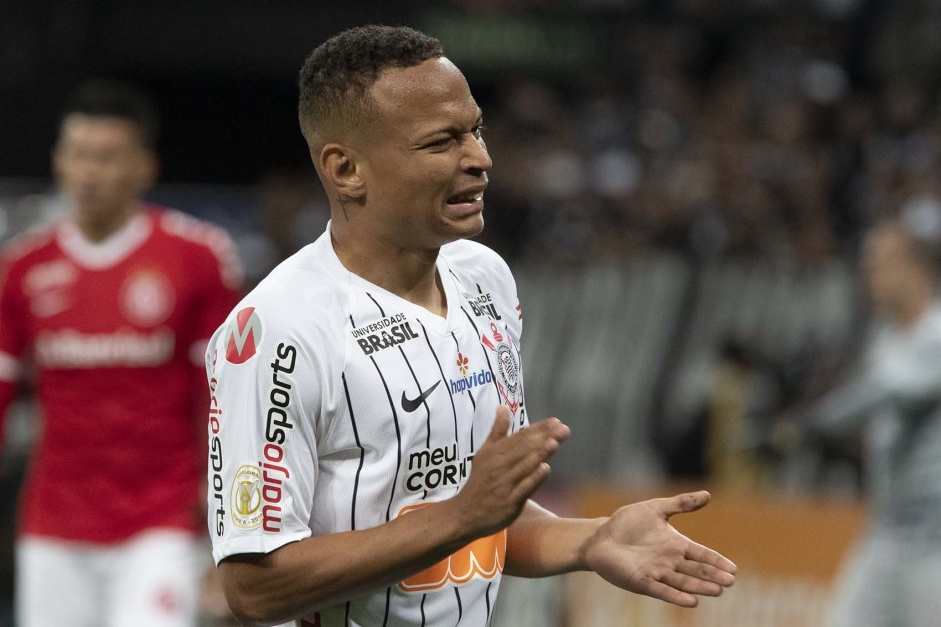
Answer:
x=343 y=202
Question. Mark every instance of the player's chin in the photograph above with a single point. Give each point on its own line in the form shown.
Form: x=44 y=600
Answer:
x=464 y=224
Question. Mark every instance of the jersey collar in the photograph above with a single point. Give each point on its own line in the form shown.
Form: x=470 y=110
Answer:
x=331 y=262
x=109 y=252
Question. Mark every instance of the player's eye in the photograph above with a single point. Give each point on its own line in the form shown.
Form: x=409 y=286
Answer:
x=478 y=131
x=440 y=143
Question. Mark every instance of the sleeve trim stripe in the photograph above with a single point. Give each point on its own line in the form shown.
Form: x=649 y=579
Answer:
x=198 y=351
x=254 y=544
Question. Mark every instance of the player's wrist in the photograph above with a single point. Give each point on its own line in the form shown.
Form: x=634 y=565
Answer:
x=470 y=518
x=593 y=546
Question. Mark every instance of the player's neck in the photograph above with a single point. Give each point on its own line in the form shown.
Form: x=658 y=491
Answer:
x=99 y=228
x=408 y=274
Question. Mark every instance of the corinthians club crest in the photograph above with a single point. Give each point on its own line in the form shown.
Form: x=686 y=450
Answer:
x=507 y=366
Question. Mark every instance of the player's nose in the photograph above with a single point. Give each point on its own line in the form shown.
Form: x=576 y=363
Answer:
x=476 y=156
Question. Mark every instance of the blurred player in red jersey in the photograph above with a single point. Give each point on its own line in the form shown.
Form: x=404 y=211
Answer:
x=112 y=308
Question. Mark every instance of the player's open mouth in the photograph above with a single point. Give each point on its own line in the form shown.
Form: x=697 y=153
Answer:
x=466 y=203
x=461 y=199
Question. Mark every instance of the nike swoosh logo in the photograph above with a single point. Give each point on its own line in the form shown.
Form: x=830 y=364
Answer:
x=410 y=405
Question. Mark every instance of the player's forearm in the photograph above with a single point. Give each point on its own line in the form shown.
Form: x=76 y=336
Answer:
x=846 y=408
x=540 y=544
x=303 y=577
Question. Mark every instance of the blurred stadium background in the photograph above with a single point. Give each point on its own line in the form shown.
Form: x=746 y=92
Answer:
x=681 y=187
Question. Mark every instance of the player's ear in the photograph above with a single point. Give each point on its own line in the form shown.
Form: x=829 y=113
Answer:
x=342 y=170
x=148 y=169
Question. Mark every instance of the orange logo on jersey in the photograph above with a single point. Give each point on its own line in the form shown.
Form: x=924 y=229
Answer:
x=243 y=336
x=483 y=558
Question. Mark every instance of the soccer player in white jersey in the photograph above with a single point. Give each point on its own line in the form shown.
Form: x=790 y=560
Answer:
x=110 y=309
x=371 y=456
x=894 y=575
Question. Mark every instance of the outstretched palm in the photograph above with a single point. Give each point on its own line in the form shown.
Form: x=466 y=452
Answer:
x=638 y=550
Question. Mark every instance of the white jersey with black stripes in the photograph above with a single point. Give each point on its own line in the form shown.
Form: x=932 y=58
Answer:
x=338 y=406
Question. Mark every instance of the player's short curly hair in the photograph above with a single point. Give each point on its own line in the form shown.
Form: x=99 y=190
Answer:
x=111 y=98
x=335 y=80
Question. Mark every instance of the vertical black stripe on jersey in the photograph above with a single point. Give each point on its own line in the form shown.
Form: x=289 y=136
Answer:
x=460 y=607
x=427 y=409
x=395 y=420
x=385 y=616
x=398 y=462
x=469 y=395
x=444 y=379
x=422 y=608
x=378 y=306
x=487 y=597
x=346 y=613
x=362 y=452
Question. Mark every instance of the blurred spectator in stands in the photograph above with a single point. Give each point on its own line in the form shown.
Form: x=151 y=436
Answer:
x=744 y=397
x=291 y=213
x=724 y=441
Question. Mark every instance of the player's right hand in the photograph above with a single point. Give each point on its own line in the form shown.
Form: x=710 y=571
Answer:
x=506 y=470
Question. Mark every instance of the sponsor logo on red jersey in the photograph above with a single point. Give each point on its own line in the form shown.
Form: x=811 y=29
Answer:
x=147 y=298
x=243 y=336
x=69 y=349
x=49 y=287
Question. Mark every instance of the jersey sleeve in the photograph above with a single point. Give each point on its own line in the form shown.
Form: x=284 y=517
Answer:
x=221 y=284
x=911 y=385
x=267 y=388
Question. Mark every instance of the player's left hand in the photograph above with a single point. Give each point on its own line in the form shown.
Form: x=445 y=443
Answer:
x=638 y=550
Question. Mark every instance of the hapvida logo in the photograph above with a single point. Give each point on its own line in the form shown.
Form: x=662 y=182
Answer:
x=481 y=377
x=483 y=558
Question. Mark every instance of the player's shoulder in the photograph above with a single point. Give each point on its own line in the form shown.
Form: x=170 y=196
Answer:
x=475 y=260
x=31 y=245
x=195 y=238
x=300 y=294
x=187 y=229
